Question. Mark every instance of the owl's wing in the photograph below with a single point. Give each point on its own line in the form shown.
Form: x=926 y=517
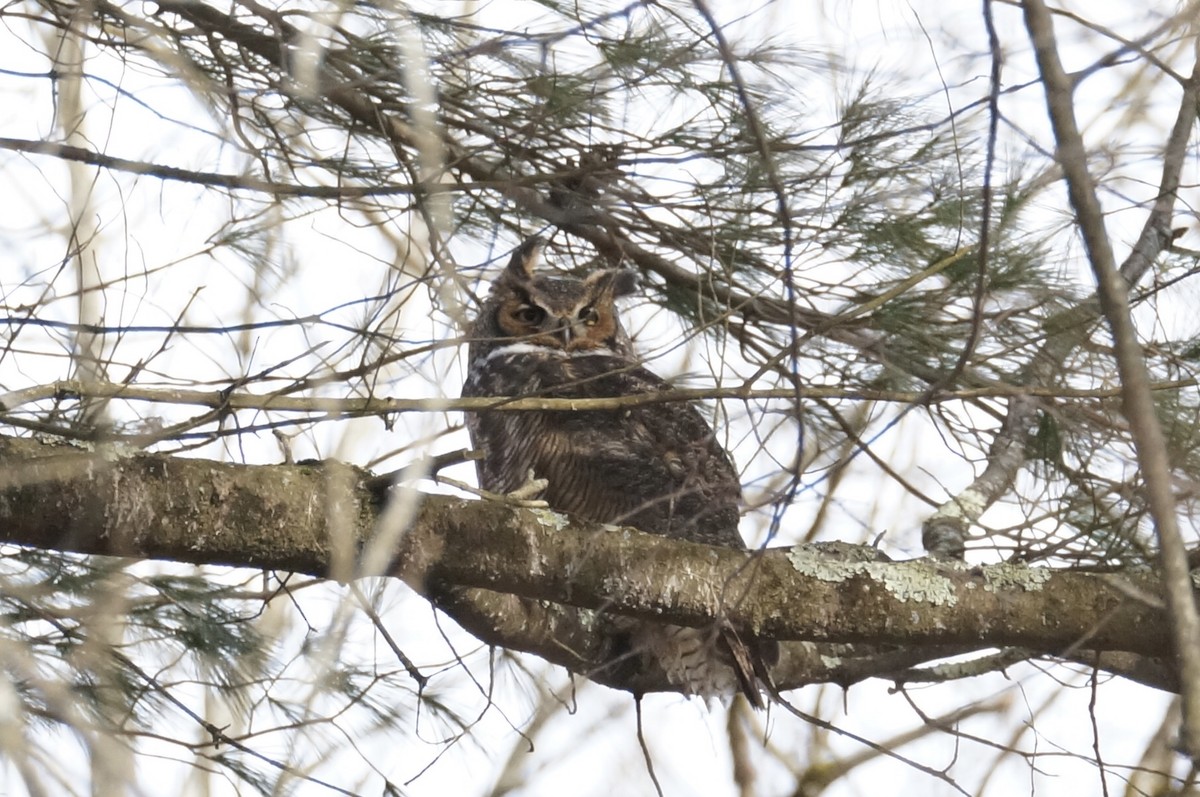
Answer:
x=657 y=467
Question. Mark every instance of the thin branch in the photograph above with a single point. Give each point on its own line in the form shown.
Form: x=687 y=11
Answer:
x=213 y=179
x=348 y=407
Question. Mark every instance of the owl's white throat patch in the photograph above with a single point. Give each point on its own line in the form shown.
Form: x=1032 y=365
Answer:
x=510 y=349
x=475 y=372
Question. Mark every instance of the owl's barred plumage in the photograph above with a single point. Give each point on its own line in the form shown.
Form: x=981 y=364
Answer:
x=655 y=467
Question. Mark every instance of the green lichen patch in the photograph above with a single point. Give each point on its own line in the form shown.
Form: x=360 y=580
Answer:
x=906 y=581
x=1004 y=576
x=825 y=568
x=915 y=581
x=550 y=519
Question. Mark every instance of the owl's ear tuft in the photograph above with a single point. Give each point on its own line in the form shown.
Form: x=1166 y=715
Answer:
x=525 y=258
x=617 y=282
x=626 y=282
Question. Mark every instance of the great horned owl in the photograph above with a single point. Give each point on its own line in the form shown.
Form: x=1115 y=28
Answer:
x=656 y=467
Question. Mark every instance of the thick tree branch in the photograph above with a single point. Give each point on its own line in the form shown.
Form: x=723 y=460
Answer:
x=506 y=573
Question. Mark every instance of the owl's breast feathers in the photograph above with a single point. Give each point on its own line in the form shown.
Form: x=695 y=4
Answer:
x=657 y=467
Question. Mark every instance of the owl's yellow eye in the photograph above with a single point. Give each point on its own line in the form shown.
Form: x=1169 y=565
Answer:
x=529 y=314
x=589 y=315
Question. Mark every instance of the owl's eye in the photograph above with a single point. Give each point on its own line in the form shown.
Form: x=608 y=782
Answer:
x=589 y=315
x=529 y=314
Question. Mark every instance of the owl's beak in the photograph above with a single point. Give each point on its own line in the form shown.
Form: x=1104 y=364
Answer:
x=566 y=330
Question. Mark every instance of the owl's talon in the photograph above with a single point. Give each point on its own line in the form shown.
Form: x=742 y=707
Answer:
x=531 y=489
x=526 y=495
x=514 y=500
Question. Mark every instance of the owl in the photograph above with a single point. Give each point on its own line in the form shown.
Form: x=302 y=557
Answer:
x=655 y=467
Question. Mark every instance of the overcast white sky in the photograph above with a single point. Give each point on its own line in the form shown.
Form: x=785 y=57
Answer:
x=920 y=47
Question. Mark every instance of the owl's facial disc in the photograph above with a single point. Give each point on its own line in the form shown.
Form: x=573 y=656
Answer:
x=584 y=326
x=560 y=312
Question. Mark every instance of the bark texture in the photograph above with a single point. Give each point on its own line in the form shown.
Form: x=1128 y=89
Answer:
x=533 y=580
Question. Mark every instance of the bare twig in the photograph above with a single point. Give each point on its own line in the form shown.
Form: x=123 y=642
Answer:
x=240 y=400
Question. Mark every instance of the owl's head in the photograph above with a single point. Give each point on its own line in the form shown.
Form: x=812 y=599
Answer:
x=557 y=312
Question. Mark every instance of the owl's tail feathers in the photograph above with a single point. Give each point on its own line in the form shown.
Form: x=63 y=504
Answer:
x=750 y=657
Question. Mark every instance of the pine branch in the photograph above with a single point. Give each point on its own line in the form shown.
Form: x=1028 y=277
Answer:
x=1113 y=293
x=944 y=532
